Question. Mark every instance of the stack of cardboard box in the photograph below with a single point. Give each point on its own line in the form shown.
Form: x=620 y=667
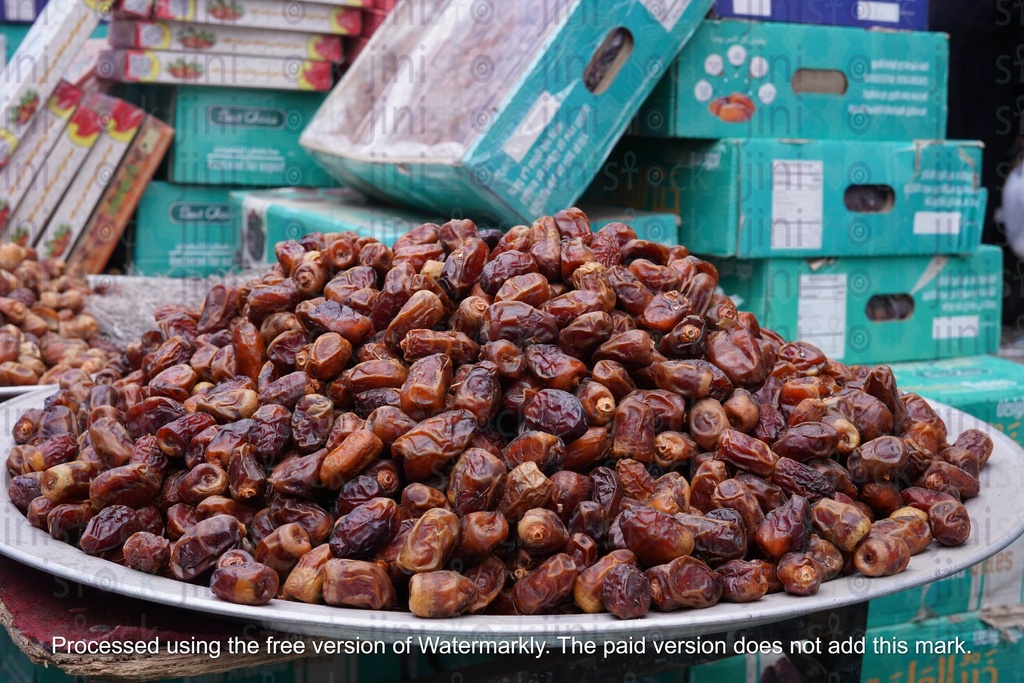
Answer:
x=230 y=43
x=70 y=157
x=809 y=163
x=230 y=138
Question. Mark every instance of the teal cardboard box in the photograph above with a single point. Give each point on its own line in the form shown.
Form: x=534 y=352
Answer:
x=509 y=129
x=265 y=217
x=184 y=231
x=987 y=387
x=876 y=310
x=759 y=198
x=770 y=80
x=228 y=136
x=654 y=226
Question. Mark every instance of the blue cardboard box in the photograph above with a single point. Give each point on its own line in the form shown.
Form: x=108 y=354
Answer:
x=910 y=15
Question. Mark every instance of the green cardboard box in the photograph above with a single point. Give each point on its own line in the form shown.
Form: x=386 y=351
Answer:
x=239 y=136
x=512 y=128
x=876 y=310
x=760 y=198
x=265 y=217
x=987 y=387
x=649 y=225
x=771 y=80
x=184 y=231
x=11 y=36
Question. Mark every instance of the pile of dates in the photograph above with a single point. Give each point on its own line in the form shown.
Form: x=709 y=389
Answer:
x=43 y=331
x=544 y=421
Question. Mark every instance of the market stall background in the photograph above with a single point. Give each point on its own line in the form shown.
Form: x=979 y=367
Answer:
x=709 y=161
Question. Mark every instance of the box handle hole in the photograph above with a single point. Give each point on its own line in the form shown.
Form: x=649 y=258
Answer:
x=819 y=81
x=883 y=308
x=608 y=60
x=869 y=198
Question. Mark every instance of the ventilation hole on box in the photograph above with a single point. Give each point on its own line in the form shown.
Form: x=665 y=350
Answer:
x=869 y=198
x=819 y=81
x=889 y=307
x=608 y=60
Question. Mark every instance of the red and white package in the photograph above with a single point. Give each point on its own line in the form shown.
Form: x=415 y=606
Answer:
x=232 y=71
x=121 y=123
x=39 y=64
x=211 y=38
x=46 y=128
x=57 y=171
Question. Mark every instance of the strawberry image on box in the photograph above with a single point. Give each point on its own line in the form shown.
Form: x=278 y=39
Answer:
x=59 y=169
x=295 y=15
x=122 y=121
x=184 y=37
x=17 y=176
x=40 y=62
x=235 y=71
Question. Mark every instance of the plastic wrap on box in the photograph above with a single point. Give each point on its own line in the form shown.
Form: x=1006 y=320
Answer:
x=38 y=65
x=56 y=174
x=108 y=221
x=209 y=38
x=17 y=176
x=234 y=71
x=76 y=207
x=294 y=15
x=505 y=113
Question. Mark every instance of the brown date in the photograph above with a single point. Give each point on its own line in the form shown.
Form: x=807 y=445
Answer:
x=198 y=549
x=441 y=594
x=358 y=584
x=684 y=582
x=245 y=584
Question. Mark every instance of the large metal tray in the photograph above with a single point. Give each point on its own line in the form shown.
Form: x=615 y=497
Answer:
x=997 y=516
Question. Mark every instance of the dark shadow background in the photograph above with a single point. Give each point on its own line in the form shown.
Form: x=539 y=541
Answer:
x=986 y=102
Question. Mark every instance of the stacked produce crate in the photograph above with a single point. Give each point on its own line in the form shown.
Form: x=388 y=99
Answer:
x=809 y=163
x=246 y=76
x=71 y=155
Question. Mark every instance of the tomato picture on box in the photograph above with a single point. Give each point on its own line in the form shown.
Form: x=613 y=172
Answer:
x=295 y=15
x=182 y=37
x=235 y=71
x=59 y=169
